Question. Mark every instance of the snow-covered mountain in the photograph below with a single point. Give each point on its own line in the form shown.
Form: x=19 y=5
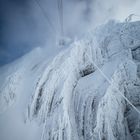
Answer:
x=85 y=92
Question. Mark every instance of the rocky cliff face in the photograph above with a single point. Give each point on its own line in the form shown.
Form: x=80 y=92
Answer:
x=83 y=93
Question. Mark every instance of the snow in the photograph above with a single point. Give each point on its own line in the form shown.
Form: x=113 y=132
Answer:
x=66 y=97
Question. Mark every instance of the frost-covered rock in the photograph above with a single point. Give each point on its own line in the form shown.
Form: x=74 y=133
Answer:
x=80 y=93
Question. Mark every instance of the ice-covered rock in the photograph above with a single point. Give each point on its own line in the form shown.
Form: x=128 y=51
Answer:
x=80 y=94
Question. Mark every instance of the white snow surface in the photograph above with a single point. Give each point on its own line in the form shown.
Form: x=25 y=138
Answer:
x=66 y=97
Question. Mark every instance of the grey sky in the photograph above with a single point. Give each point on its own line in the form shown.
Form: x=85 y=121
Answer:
x=23 y=26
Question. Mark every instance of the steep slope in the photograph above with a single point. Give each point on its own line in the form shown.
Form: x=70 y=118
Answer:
x=80 y=93
x=17 y=84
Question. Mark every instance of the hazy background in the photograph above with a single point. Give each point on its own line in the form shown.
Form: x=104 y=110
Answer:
x=23 y=25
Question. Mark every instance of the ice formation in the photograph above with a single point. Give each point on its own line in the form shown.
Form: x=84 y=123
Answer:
x=68 y=97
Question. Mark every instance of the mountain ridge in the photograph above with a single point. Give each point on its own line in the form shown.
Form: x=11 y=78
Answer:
x=68 y=95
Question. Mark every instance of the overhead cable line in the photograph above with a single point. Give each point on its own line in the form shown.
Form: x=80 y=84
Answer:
x=60 y=13
x=125 y=98
x=46 y=17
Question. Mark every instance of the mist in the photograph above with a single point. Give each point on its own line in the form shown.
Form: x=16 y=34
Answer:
x=23 y=25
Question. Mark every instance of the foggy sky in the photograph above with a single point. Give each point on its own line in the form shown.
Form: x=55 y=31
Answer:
x=23 y=25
